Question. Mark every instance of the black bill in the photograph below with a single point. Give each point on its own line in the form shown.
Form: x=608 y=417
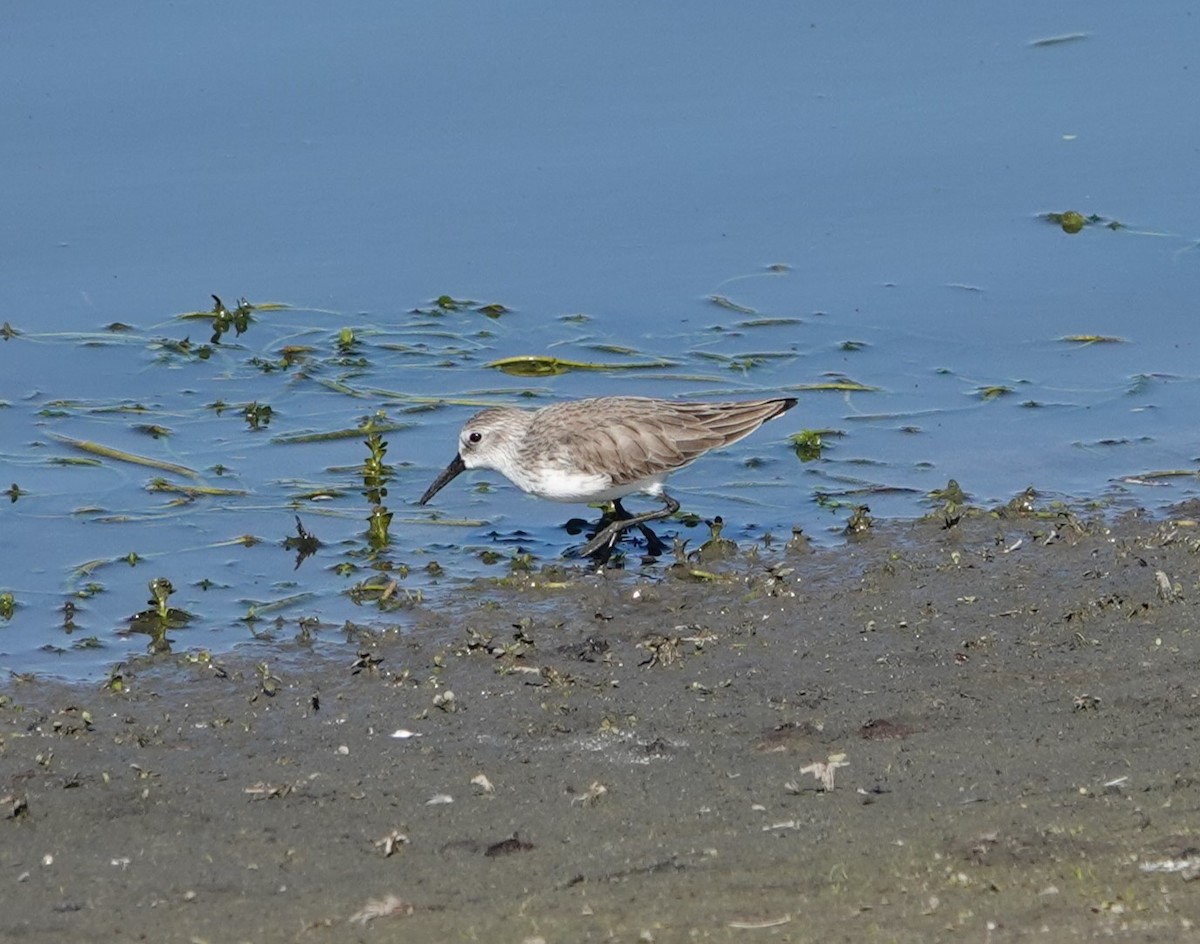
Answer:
x=453 y=469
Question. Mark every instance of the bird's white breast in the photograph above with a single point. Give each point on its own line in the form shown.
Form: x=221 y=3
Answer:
x=563 y=485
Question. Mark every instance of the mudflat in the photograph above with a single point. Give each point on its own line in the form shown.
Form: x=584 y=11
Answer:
x=986 y=731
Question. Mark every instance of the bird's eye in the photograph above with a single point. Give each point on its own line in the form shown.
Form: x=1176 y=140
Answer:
x=474 y=437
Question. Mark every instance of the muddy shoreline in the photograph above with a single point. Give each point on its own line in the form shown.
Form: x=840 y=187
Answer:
x=1006 y=712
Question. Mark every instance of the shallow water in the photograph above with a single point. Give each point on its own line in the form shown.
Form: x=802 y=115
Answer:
x=750 y=202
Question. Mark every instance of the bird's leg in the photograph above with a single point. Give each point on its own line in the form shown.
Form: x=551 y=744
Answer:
x=654 y=546
x=604 y=538
x=608 y=535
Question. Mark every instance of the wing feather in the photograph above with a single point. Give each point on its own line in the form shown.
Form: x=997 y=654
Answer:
x=634 y=438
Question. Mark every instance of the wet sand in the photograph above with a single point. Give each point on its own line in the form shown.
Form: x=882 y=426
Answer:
x=1013 y=703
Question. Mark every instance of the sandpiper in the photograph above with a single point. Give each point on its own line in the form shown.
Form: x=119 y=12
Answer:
x=602 y=449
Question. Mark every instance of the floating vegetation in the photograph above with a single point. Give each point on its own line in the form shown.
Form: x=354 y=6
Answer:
x=539 y=365
x=414 y=400
x=808 y=444
x=152 y=430
x=221 y=317
x=116 y=408
x=620 y=349
x=385 y=593
x=951 y=493
x=193 y=491
x=744 y=363
x=769 y=322
x=8 y=332
x=716 y=548
x=160 y=590
x=8 y=605
x=1139 y=383
x=291 y=354
x=1092 y=339
x=376 y=475
x=1025 y=505
x=722 y=302
x=119 y=455
x=1058 y=40
x=161 y=616
x=860 y=521
x=951 y=498
x=334 y=435
x=375 y=472
x=257 y=415
x=841 y=386
x=260 y=608
x=1072 y=221
x=827 y=498
x=378 y=523
x=56 y=409
x=444 y=304
x=304 y=543
x=224 y=319
x=184 y=348
x=1152 y=478
x=993 y=392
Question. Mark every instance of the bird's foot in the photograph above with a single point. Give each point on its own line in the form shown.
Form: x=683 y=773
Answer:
x=604 y=540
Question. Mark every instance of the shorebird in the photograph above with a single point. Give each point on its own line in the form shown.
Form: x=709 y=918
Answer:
x=602 y=449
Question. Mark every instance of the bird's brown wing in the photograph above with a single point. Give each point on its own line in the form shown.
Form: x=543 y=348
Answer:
x=630 y=438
